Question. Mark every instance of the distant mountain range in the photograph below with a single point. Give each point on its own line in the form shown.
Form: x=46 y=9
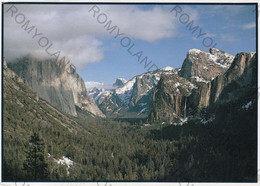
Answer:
x=139 y=96
x=129 y=98
x=158 y=95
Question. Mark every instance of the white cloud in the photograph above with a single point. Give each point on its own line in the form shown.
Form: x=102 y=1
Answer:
x=249 y=25
x=149 y=25
x=74 y=31
x=64 y=28
x=99 y=85
x=83 y=49
x=228 y=37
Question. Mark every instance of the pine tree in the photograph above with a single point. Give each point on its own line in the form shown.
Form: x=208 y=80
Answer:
x=36 y=164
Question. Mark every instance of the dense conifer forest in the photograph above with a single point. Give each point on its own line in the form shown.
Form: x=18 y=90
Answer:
x=118 y=150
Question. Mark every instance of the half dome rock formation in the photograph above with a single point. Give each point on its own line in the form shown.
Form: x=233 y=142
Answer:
x=130 y=98
x=119 y=82
x=57 y=83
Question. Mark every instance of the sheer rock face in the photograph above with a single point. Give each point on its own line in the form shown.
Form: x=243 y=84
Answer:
x=170 y=97
x=57 y=83
x=200 y=66
x=175 y=97
x=232 y=85
x=18 y=94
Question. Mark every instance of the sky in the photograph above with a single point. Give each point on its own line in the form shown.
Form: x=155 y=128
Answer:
x=161 y=33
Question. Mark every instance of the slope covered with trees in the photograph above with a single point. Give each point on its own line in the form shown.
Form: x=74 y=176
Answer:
x=219 y=146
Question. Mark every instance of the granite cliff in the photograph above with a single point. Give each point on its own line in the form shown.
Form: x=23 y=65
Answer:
x=57 y=83
x=236 y=82
x=169 y=99
x=200 y=66
x=228 y=85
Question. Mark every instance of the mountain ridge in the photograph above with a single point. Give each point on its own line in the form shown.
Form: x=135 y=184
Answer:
x=132 y=99
x=135 y=95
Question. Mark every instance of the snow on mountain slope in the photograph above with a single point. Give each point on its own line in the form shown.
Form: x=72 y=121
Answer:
x=215 y=57
x=168 y=68
x=133 y=96
x=127 y=86
x=200 y=66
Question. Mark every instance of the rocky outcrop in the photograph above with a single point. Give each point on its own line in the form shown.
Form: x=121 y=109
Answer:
x=173 y=104
x=57 y=83
x=230 y=86
x=172 y=94
x=200 y=66
x=10 y=74
x=170 y=98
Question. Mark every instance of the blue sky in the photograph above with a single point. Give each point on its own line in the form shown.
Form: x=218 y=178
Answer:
x=154 y=29
x=228 y=26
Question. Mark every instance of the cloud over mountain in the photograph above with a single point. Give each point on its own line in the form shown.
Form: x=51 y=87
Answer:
x=75 y=33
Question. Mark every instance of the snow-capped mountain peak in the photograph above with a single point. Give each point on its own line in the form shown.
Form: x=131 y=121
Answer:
x=94 y=84
x=134 y=95
x=119 y=82
x=168 y=68
x=200 y=66
x=194 y=51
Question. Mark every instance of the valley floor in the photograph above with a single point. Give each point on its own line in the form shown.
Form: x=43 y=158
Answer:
x=222 y=150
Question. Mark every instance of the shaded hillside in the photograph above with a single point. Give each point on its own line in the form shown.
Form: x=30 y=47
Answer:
x=24 y=113
x=93 y=149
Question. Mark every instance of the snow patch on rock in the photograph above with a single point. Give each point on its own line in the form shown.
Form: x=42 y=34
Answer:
x=205 y=121
x=199 y=79
x=65 y=161
x=247 y=106
x=168 y=68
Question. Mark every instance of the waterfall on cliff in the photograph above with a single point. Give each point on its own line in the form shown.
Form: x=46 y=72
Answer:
x=184 y=112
